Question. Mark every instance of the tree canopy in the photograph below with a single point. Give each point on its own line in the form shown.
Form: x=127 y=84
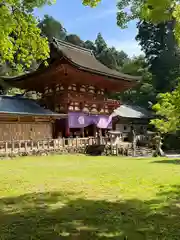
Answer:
x=161 y=53
x=20 y=38
x=150 y=10
x=168 y=108
x=50 y=28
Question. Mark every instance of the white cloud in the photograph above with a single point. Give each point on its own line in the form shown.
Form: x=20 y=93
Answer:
x=131 y=47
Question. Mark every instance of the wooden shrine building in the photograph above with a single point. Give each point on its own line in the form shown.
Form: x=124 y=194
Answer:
x=24 y=119
x=77 y=84
x=127 y=117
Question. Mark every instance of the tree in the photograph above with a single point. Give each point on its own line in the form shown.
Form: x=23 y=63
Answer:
x=52 y=28
x=108 y=56
x=90 y=45
x=144 y=92
x=168 y=108
x=74 y=39
x=161 y=52
x=120 y=57
x=149 y=10
x=20 y=38
x=100 y=44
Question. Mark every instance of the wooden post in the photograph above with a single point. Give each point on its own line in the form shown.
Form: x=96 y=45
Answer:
x=59 y=143
x=54 y=144
x=48 y=144
x=25 y=146
x=100 y=136
x=19 y=146
x=63 y=142
x=111 y=146
x=32 y=145
x=43 y=144
x=134 y=144
x=12 y=146
x=37 y=145
x=117 y=150
x=76 y=142
x=6 y=147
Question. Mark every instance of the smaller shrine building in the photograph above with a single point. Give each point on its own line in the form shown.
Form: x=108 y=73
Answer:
x=24 y=119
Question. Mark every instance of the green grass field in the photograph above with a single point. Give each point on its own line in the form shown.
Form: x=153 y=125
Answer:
x=78 y=197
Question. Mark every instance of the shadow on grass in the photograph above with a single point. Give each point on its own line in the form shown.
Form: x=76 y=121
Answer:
x=168 y=161
x=60 y=215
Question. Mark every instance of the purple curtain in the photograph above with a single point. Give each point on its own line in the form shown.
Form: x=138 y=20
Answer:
x=81 y=120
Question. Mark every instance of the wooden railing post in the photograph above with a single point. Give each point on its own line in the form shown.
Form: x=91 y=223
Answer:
x=54 y=144
x=117 y=150
x=48 y=144
x=6 y=147
x=12 y=146
x=19 y=146
x=76 y=142
x=59 y=143
x=63 y=142
x=26 y=147
x=37 y=145
x=42 y=144
x=32 y=145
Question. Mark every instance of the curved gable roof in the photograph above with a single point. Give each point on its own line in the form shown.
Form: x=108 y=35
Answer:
x=84 y=59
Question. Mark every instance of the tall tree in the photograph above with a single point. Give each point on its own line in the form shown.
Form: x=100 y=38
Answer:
x=90 y=45
x=144 y=92
x=162 y=54
x=74 y=39
x=52 y=28
x=100 y=44
x=108 y=56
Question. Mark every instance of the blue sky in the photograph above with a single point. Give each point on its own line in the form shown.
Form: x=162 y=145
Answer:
x=87 y=22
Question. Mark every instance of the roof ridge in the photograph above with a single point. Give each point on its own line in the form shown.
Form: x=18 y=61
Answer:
x=67 y=44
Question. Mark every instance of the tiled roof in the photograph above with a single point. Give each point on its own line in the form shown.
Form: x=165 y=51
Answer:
x=22 y=106
x=84 y=59
x=127 y=111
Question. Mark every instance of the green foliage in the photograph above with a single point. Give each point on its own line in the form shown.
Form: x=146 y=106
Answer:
x=150 y=10
x=144 y=92
x=74 y=39
x=163 y=58
x=20 y=39
x=168 y=108
x=110 y=57
x=161 y=53
x=52 y=28
x=92 y=3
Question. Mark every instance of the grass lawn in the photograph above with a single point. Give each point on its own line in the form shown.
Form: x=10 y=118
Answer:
x=79 y=198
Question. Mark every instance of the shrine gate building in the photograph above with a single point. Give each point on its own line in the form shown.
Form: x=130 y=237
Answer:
x=77 y=84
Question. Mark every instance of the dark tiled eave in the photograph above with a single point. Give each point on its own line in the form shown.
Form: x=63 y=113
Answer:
x=82 y=59
x=16 y=105
x=85 y=60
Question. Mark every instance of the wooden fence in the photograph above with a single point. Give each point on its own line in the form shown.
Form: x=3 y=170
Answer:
x=15 y=147
x=68 y=145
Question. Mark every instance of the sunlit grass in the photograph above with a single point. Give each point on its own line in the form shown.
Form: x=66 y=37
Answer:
x=80 y=197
